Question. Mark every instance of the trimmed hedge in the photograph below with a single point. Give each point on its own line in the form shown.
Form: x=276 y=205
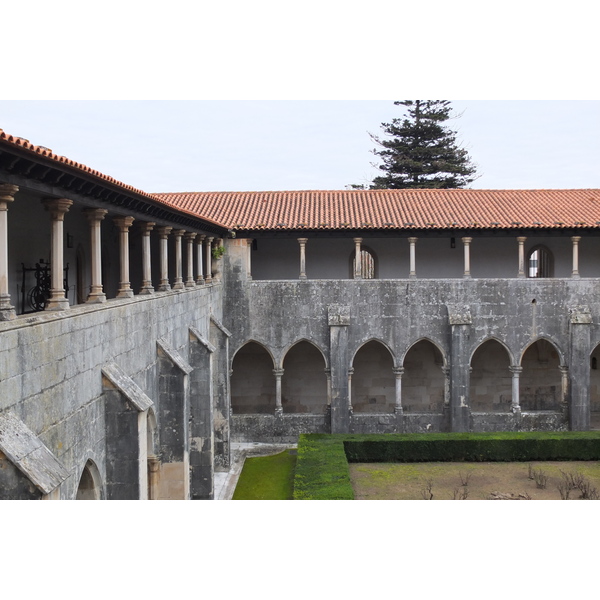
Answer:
x=322 y=471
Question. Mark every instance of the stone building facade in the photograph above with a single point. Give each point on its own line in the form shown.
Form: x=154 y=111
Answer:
x=131 y=357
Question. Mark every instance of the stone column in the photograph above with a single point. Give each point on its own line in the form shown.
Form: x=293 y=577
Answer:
x=178 y=283
x=467 y=243
x=579 y=369
x=515 y=405
x=413 y=271
x=398 y=372
x=459 y=317
x=350 y=373
x=123 y=224
x=278 y=375
x=208 y=278
x=339 y=321
x=189 y=238
x=328 y=377
x=95 y=217
x=249 y=242
x=357 y=261
x=302 y=242
x=147 y=287
x=575 y=241
x=521 y=241
x=200 y=259
x=163 y=233
x=57 y=207
x=7 y=194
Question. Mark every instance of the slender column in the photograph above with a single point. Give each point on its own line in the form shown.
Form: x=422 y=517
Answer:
x=564 y=384
x=124 y=223
x=178 y=283
x=7 y=194
x=189 y=238
x=350 y=373
x=209 y=259
x=467 y=243
x=446 y=371
x=57 y=207
x=163 y=233
x=413 y=271
x=278 y=408
x=302 y=242
x=249 y=255
x=147 y=287
x=357 y=262
x=515 y=405
x=199 y=259
x=575 y=241
x=398 y=372
x=328 y=377
x=522 y=273
x=95 y=217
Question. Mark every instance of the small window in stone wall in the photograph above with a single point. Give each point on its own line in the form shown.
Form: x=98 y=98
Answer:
x=368 y=265
x=540 y=262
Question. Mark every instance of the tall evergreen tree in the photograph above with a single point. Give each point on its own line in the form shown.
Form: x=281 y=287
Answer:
x=421 y=151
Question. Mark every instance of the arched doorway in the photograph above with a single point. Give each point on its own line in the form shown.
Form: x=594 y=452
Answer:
x=89 y=487
x=491 y=379
x=304 y=383
x=423 y=381
x=252 y=381
x=540 y=386
x=540 y=262
x=373 y=383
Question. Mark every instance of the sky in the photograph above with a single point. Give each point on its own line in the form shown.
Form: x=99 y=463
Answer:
x=241 y=145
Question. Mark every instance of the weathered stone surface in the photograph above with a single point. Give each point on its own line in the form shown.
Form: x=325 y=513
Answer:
x=117 y=378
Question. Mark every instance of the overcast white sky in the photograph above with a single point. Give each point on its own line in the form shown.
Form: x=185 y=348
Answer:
x=171 y=146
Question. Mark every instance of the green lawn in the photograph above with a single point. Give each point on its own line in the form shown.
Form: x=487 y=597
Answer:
x=267 y=477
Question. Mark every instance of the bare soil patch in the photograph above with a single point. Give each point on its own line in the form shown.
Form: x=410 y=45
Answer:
x=446 y=480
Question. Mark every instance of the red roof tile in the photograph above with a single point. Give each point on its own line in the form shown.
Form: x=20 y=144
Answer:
x=395 y=209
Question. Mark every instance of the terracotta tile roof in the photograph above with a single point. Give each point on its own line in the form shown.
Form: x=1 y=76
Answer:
x=63 y=160
x=395 y=209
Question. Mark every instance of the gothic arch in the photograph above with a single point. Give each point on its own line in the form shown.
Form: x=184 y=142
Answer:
x=261 y=344
x=491 y=377
x=90 y=483
x=540 y=382
x=492 y=338
x=304 y=382
x=434 y=343
x=424 y=379
x=373 y=339
x=545 y=338
x=290 y=346
x=373 y=383
x=252 y=379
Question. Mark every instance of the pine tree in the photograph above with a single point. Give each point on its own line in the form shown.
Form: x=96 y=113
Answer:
x=422 y=152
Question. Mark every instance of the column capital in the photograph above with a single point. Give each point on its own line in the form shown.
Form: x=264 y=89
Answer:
x=57 y=207
x=146 y=227
x=398 y=371
x=576 y=239
x=179 y=232
x=200 y=238
x=7 y=194
x=521 y=239
x=301 y=241
x=357 y=240
x=190 y=236
x=209 y=239
x=515 y=370
x=350 y=371
x=467 y=240
x=123 y=223
x=278 y=372
x=412 y=240
x=164 y=232
x=563 y=369
x=94 y=214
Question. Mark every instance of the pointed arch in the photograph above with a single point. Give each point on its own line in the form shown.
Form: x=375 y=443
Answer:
x=436 y=345
x=312 y=343
x=491 y=378
x=90 y=483
x=264 y=346
x=378 y=341
x=304 y=382
x=424 y=379
x=493 y=338
x=540 y=382
x=540 y=262
x=545 y=338
x=373 y=383
x=252 y=380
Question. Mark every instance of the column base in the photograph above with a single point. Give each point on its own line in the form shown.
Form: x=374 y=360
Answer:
x=178 y=285
x=208 y=280
x=7 y=313
x=125 y=293
x=279 y=411
x=515 y=409
x=190 y=284
x=200 y=281
x=146 y=290
x=164 y=287
x=97 y=298
x=398 y=410
x=57 y=304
